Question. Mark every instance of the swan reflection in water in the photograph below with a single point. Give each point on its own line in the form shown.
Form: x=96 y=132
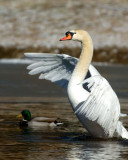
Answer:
x=96 y=150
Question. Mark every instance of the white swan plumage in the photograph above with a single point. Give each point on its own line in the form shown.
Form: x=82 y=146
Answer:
x=93 y=100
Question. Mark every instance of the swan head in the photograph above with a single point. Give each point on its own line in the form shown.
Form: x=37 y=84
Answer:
x=76 y=35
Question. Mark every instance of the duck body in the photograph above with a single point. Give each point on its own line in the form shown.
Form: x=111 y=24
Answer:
x=44 y=122
x=92 y=99
x=37 y=121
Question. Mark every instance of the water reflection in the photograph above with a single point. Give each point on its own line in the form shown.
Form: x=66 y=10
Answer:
x=98 y=150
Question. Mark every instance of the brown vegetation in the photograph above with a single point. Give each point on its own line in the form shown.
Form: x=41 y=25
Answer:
x=111 y=55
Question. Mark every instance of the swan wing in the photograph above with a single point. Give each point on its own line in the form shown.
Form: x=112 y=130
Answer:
x=102 y=104
x=57 y=68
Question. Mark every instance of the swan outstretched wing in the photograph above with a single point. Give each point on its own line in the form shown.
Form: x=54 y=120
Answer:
x=55 y=67
x=102 y=104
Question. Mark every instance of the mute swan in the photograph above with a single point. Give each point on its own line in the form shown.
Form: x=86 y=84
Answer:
x=37 y=121
x=93 y=100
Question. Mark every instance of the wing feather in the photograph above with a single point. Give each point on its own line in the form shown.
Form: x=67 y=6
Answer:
x=40 y=63
x=43 y=69
x=57 y=68
x=54 y=67
x=102 y=105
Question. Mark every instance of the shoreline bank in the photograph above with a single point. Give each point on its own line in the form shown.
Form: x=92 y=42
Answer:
x=113 y=55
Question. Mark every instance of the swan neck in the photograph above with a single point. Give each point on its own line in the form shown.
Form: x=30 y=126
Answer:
x=82 y=66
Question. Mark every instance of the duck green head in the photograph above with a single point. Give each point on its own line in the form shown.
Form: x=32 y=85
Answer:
x=26 y=114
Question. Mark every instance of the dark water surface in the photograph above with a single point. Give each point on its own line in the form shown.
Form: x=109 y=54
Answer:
x=20 y=91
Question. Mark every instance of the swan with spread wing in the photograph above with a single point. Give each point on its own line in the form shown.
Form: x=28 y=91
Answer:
x=93 y=100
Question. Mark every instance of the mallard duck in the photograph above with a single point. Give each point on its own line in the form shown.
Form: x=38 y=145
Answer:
x=37 y=121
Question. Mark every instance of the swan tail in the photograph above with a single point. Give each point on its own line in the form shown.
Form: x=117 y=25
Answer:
x=121 y=131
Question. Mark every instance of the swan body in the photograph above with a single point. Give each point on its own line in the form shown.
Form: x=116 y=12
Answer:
x=93 y=100
x=37 y=121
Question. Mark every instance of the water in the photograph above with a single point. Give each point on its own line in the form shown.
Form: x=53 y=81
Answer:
x=20 y=91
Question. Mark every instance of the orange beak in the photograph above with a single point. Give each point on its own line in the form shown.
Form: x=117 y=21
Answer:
x=68 y=37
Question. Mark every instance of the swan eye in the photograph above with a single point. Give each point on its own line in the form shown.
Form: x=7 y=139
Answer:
x=69 y=33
